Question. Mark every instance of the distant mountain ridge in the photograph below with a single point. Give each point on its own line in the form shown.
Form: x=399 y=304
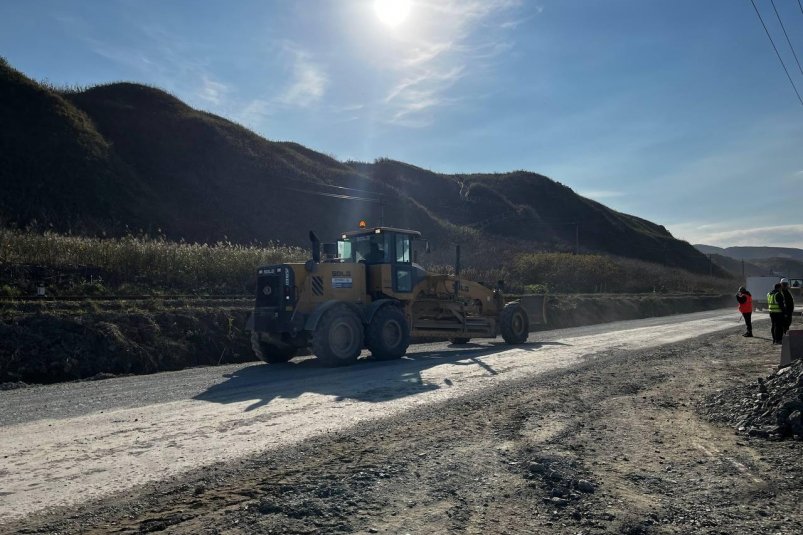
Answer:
x=749 y=261
x=121 y=157
x=752 y=253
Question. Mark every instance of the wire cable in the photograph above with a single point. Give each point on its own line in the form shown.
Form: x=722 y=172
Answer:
x=334 y=195
x=801 y=6
x=777 y=53
x=786 y=35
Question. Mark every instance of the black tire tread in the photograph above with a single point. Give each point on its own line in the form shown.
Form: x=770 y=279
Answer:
x=320 y=338
x=373 y=334
x=506 y=324
x=271 y=353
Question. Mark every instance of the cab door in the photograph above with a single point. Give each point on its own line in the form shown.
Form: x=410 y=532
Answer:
x=402 y=267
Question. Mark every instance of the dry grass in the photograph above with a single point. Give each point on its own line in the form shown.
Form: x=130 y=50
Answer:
x=133 y=260
x=568 y=273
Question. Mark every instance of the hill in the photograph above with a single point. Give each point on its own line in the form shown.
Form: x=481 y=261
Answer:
x=752 y=253
x=124 y=157
x=759 y=266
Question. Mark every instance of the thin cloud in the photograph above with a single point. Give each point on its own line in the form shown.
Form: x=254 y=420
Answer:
x=254 y=108
x=308 y=85
x=413 y=96
x=212 y=91
x=166 y=61
x=306 y=88
x=426 y=52
x=347 y=108
x=774 y=236
x=430 y=67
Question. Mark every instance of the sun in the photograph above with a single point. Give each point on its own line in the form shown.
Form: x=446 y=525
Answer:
x=392 y=12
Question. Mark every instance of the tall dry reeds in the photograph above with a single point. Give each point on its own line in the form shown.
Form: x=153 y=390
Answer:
x=144 y=260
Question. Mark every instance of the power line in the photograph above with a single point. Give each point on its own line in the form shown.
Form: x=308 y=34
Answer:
x=786 y=35
x=801 y=6
x=777 y=53
x=380 y=200
x=333 y=195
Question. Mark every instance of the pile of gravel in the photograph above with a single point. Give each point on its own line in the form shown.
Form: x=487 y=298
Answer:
x=770 y=408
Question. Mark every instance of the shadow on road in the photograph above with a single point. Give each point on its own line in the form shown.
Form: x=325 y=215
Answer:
x=367 y=380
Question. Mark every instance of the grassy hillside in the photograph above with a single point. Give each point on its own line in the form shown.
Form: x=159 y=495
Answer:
x=55 y=167
x=534 y=209
x=121 y=158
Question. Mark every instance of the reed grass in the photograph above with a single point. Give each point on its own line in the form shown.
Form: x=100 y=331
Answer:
x=145 y=261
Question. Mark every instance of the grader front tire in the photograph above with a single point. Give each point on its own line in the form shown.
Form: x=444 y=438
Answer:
x=338 y=338
x=269 y=352
x=514 y=324
x=388 y=335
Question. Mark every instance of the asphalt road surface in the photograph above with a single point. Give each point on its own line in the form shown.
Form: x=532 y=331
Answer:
x=65 y=444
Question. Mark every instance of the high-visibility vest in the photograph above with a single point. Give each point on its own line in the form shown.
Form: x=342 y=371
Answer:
x=772 y=302
x=747 y=306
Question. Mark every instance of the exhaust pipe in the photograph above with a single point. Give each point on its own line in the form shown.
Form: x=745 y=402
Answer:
x=457 y=271
x=316 y=247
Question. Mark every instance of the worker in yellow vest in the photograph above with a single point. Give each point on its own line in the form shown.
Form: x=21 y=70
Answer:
x=775 y=305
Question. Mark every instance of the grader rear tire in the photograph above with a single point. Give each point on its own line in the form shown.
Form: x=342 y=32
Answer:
x=514 y=324
x=388 y=335
x=271 y=353
x=338 y=339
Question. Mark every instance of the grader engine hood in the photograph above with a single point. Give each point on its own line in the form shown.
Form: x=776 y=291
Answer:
x=273 y=285
x=275 y=298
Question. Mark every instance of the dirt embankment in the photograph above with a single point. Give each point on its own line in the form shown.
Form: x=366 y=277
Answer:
x=47 y=343
x=51 y=342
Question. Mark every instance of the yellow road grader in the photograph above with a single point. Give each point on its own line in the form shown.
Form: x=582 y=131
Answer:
x=367 y=291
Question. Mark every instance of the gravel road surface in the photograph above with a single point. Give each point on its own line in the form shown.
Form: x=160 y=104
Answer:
x=66 y=444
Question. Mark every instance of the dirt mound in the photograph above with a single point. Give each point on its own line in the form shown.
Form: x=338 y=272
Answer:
x=49 y=346
x=770 y=408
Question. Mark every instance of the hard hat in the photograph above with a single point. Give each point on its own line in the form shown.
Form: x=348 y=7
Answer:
x=784 y=281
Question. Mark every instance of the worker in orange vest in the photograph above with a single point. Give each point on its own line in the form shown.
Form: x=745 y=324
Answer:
x=745 y=301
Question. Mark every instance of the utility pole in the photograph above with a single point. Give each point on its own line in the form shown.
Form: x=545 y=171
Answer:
x=577 y=238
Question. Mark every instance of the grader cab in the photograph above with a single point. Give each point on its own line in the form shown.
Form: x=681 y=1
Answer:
x=368 y=292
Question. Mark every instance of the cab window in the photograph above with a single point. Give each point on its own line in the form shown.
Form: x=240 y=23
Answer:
x=344 y=250
x=373 y=249
x=403 y=248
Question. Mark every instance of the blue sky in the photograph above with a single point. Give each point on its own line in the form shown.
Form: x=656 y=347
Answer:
x=675 y=111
